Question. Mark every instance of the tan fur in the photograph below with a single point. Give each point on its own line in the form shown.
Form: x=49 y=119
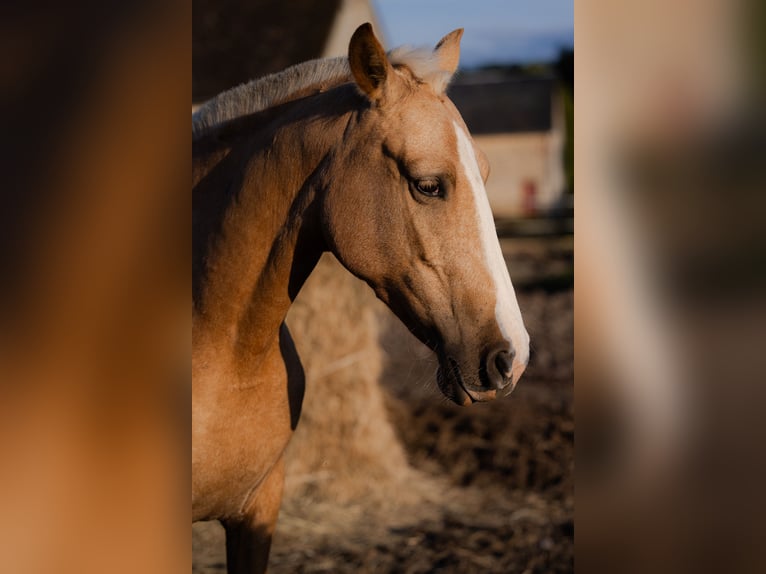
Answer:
x=448 y=50
x=329 y=168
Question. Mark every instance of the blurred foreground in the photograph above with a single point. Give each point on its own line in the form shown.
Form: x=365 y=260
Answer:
x=671 y=140
x=94 y=259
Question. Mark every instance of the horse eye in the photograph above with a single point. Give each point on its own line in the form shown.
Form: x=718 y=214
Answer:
x=429 y=187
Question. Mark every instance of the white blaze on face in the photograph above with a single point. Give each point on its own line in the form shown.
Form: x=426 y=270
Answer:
x=507 y=310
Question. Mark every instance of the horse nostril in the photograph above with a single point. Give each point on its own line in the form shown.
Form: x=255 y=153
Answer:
x=504 y=364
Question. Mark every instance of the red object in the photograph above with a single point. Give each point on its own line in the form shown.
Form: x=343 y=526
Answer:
x=529 y=197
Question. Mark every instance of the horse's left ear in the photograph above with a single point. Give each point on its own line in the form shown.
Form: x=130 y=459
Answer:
x=368 y=62
x=448 y=51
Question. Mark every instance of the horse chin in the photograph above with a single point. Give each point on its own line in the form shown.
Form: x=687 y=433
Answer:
x=449 y=378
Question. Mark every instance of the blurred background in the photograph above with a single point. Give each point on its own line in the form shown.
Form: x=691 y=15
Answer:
x=383 y=474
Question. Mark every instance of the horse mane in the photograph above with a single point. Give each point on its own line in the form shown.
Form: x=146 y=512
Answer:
x=262 y=93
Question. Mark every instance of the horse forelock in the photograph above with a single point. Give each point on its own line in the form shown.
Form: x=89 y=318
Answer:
x=424 y=65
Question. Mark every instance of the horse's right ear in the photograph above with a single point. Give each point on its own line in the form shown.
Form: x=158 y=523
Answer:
x=368 y=62
x=448 y=51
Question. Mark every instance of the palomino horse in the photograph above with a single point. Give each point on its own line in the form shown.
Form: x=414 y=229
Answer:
x=364 y=157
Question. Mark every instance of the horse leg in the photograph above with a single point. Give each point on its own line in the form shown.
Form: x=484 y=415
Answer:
x=248 y=539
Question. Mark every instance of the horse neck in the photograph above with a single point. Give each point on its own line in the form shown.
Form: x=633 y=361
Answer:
x=268 y=237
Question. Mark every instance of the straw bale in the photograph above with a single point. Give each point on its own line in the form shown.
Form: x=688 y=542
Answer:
x=345 y=450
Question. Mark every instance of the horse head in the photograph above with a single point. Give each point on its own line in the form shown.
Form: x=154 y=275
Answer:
x=410 y=216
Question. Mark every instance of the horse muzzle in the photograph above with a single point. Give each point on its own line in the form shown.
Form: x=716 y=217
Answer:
x=498 y=371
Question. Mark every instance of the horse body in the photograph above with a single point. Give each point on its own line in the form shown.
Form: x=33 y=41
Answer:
x=373 y=163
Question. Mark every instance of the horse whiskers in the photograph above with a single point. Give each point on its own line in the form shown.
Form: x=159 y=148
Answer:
x=341 y=363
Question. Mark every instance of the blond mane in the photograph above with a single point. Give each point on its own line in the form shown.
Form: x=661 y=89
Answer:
x=263 y=93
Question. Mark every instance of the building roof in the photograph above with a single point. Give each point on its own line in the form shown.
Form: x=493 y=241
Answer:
x=503 y=105
x=234 y=41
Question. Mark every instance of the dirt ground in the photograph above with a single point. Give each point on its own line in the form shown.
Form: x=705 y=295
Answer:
x=492 y=485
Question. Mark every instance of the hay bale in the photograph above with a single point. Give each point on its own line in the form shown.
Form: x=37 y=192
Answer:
x=345 y=451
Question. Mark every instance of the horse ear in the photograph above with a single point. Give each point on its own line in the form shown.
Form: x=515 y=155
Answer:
x=368 y=62
x=448 y=51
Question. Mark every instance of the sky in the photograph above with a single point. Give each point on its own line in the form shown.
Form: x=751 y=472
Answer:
x=496 y=31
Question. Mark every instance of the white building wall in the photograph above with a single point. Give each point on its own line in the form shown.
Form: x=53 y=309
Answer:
x=515 y=161
x=351 y=14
